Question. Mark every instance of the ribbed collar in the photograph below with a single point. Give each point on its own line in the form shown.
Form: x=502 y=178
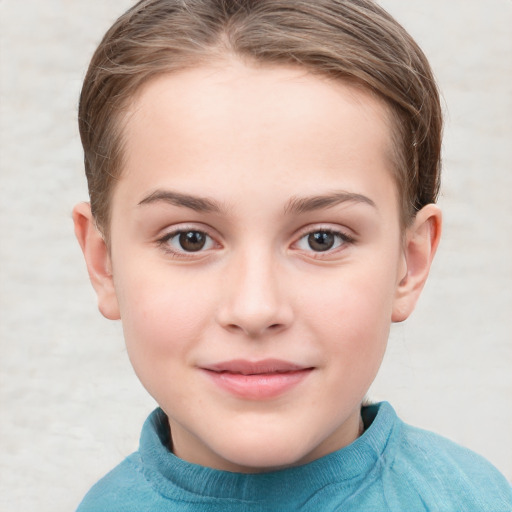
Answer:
x=176 y=478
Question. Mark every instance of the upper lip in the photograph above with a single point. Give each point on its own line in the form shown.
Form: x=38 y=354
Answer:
x=245 y=367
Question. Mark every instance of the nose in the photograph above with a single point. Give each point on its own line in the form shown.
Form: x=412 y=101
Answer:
x=255 y=300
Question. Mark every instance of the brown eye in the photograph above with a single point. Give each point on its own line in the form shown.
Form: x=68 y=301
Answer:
x=192 y=241
x=321 y=241
x=187 y=243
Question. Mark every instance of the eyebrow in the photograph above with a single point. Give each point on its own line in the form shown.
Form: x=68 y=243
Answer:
x=298 y=205
x=198 y=204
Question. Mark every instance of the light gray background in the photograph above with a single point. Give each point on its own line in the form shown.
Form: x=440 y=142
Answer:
x=70 y=405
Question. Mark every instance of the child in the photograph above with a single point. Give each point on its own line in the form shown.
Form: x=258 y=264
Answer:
x=262 y=176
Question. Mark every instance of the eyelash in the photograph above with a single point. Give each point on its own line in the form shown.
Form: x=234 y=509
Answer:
x=164 y=242
x=341 y=239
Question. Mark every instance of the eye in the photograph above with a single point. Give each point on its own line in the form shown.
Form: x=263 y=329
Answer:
x=187 y=241
x=322 y=240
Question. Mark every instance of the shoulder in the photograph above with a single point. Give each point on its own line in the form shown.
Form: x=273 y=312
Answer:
x=448 y=472
x=433 y=451
x=125 y=484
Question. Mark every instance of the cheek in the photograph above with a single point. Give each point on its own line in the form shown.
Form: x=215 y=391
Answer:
x=354 y=301
x=162 y=315
x=355 y=336
x=352 y=319
x=162 y=325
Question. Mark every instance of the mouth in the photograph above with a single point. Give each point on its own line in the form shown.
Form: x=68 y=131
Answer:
x=257 y=380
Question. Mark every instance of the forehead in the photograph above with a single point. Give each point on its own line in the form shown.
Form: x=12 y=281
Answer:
x=228 y=124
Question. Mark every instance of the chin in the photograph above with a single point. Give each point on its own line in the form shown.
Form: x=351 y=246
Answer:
x=261 y=456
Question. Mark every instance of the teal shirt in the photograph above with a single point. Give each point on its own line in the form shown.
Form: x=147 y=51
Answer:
x=391 y=467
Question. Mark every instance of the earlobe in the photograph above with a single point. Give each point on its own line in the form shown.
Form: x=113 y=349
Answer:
x=97 y=259
x=421 y=241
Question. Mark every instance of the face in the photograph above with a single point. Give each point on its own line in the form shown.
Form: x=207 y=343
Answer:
x=256 y=257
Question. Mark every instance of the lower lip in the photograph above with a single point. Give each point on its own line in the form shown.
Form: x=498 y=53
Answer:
x=259 y=386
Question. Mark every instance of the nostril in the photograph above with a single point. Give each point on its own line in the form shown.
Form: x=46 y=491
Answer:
x=236 y=328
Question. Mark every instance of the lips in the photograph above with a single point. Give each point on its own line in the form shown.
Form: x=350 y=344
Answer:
x=257 y=380
x=255 y=367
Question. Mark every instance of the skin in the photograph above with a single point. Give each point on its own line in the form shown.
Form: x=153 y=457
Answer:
x=250 y=143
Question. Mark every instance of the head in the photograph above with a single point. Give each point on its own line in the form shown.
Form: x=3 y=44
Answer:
x=261 y=176
x=354 y=41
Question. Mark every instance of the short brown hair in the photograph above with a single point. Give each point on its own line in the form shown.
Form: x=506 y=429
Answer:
x=343 y=39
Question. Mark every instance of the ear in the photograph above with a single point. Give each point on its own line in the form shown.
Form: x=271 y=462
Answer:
x=97 y=258
x=420 y=245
